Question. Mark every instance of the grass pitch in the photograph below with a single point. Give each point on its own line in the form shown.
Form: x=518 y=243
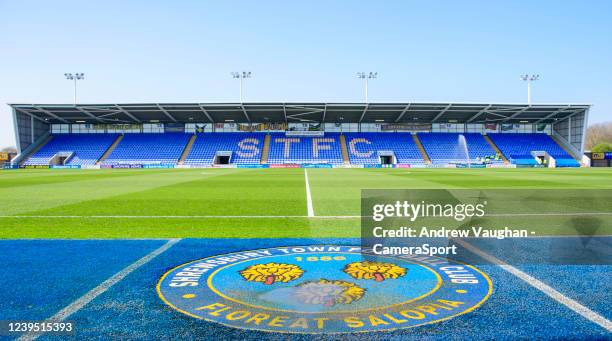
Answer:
x=230 y=203
x=269 y=205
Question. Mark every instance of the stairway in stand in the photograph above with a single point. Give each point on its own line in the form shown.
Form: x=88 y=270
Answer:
x=187 y=149
x=110 y=149
x=266 y=150
x=345 y=155
x=416 y=140
x=494 y=146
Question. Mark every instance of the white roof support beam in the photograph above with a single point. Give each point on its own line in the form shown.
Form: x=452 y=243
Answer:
x=479 y=113
x=89 y=114
x=127 y=113
x=206 y=113
x=513 y=108
x=306 y=108
x=441 y=113
x=365 y=109
x=551 y=115
x=110 y=114
x=302 y=119
x=166 y=112
x=285 y=113
x=296 y=116
x=49 y=113
x=401 y=115
x=304 y=113
x=516 y=113
x=324 y=113
x=496 y=114
x=30 y=114
x=245 y=112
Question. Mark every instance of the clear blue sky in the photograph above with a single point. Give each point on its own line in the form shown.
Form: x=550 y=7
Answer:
x=153 y=51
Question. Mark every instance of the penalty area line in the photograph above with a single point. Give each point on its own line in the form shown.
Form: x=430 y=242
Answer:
x=574 y=305
x=101 y=288
x=309 y=207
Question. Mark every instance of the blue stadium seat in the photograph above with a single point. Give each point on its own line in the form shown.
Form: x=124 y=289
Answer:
x=363 y=148
x=445 y=147
x=517 y=147
x=305 y=149
x=149 y=148
x=87 y=149
x=246 y=148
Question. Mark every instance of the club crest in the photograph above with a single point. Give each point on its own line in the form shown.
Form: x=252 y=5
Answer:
x=323 y=289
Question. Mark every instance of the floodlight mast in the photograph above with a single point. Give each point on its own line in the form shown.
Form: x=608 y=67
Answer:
x=240 y=76
x=75 y=77
x=366 y=77
x=529 y=78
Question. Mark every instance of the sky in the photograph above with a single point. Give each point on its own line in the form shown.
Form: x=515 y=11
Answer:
x=184 y=51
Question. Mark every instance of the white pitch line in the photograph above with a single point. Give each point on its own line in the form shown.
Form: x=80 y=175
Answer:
x=100 y=289
x=280 y=216
x=183 y=216
x=576 y=306
x=308 y=196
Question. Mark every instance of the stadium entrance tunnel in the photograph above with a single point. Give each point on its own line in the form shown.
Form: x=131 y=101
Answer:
x=386 y=158
x=223 y=158
x=543 y=158
x=60 y=159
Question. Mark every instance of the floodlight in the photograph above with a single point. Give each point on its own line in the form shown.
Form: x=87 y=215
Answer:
x=240 y=76
x=366 y=76
x=77 y=76
x=529 y=78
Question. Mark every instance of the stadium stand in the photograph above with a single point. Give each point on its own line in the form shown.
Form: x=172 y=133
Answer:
x=518 y=148
x=370 y=148
x=445 y=147
x=244 y=148
x=374 y=133
x=305 y=149
x=86 y=149
x=364 y=148
x=149 y=148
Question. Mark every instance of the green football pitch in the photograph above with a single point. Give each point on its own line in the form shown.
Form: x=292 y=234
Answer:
x=232 y=203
